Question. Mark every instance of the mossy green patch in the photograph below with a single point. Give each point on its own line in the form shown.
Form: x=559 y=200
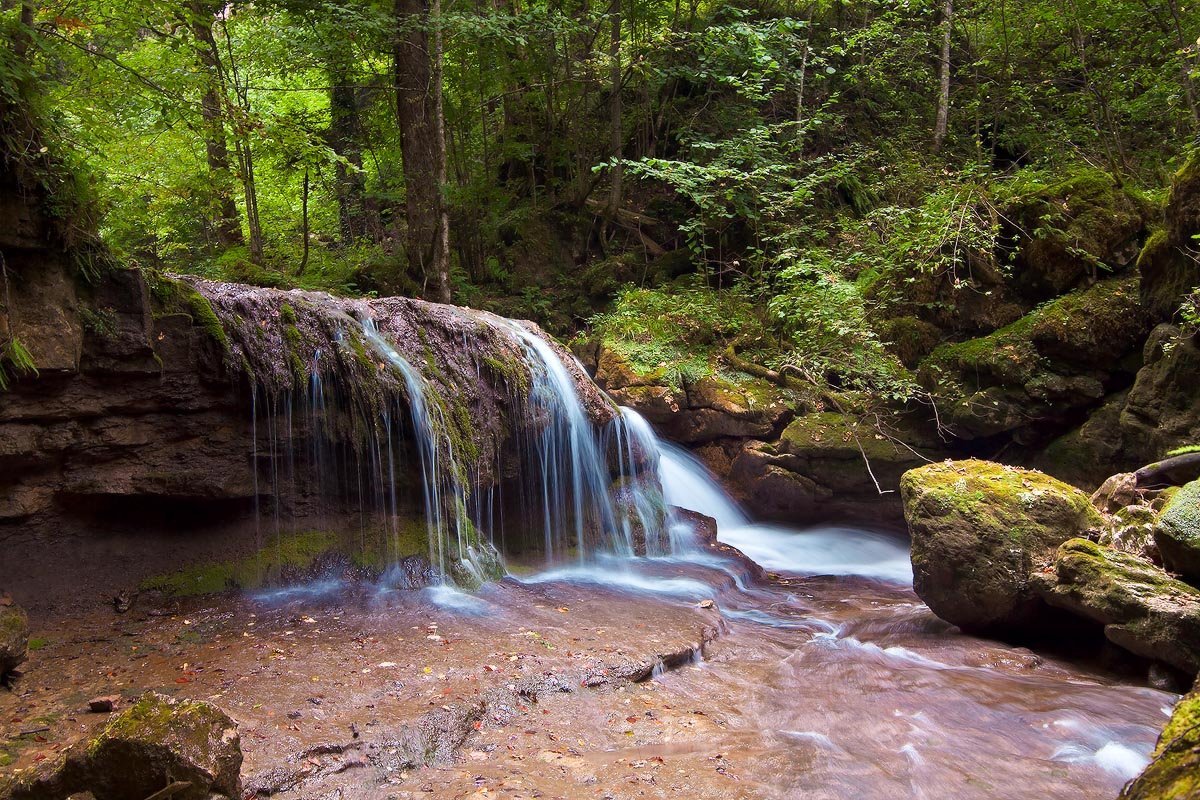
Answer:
x=295 y=551
x=176 y=297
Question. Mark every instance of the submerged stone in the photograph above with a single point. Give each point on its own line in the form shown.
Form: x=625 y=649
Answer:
x=978 y=530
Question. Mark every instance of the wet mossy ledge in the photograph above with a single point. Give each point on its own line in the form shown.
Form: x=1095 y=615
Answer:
x=396 y=552
x=298 y=344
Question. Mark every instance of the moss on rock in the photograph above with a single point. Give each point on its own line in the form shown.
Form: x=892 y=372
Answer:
x=292 y=553
x=1142 y=608
x=1174 y=774
x=1178 y=532
x=979 y=529
x=14 y=638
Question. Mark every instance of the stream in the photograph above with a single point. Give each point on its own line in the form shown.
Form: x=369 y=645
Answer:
x=835 y=681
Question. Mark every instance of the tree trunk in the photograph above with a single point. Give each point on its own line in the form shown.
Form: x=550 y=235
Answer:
x=304 y=224
x=345 y=131
x=225 y=219
x=418 y=73
x=614 y=108
x=942 y=122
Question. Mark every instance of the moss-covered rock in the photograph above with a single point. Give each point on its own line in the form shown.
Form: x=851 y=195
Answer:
x=14 y=638
x=1053 y=360
x=979 y=530
x=1168 y=268
x=1074 y=228
x=1174 y=774
x=1142 y=608
x=156 y=742
x=1178 y=532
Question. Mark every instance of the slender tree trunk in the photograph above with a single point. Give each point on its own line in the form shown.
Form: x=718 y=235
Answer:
x=304 y=224
x=418 y=71
x=942 y=122
x=345 y=131
x=226 y=220
x=614 y=109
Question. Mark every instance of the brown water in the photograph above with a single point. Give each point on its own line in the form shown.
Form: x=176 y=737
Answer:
x=817 y=687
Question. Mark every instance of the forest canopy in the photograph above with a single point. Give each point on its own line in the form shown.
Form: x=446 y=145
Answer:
x=791 y=168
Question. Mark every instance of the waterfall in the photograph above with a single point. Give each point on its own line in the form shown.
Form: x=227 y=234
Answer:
x=456 y=437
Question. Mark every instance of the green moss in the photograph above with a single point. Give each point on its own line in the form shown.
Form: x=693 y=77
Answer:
x=176 y=297
x=991 y=496
x=1180 y=517
x=1174 y=774
x=155 y=719
x=37 y=643
x=1156 y=245
x=296 y=551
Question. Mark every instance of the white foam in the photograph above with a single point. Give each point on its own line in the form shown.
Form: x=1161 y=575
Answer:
x=823 y=551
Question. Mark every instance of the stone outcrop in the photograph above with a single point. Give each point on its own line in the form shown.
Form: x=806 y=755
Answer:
x=979 y=530
x=1142 y=608
x=158 y=742
x=1060 y=358
x=14 y=638
x=163 y=408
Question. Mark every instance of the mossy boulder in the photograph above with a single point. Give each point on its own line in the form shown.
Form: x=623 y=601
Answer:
x=14 y=638
x=1168 y=268
x=1174 y=774
x=1073 y=229
x=1178 y=532
x=979 y=529
x=156 y=742
x=1142 y=608
x=1039 y=369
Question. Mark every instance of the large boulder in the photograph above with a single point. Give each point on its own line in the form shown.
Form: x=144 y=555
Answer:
x=1037 y=372
x=1178 y=532
x=979 y=529
x=14 y=638
x=155 y=743
x=1157 y=414
x=1174 y=774
x=1142 y=608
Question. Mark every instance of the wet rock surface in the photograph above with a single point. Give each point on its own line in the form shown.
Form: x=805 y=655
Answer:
x=844 y=685
x=1174 y=774
x=979 y=530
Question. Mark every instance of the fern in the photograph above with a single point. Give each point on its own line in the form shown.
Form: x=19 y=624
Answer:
x=15 y=361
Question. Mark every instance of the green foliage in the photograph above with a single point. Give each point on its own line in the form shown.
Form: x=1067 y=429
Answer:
x=15 y=361
x=677 y=333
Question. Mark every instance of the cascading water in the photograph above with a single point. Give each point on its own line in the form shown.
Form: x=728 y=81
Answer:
x=473 y=427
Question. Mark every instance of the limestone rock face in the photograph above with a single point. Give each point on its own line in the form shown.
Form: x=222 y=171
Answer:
x=1174 y=774
x=156 y=742
x=1178 y=532
x=979 y=530
x=14 y=638
x=1142 y=608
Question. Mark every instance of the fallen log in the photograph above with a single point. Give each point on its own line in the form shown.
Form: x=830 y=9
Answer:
x=1174 y=471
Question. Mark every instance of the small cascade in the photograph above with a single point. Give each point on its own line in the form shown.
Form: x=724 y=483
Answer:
x=452 y=435
x=567 y=459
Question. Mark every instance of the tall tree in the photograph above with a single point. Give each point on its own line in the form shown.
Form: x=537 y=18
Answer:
x=225 y=221
x=942 y=121
x=417 y=61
